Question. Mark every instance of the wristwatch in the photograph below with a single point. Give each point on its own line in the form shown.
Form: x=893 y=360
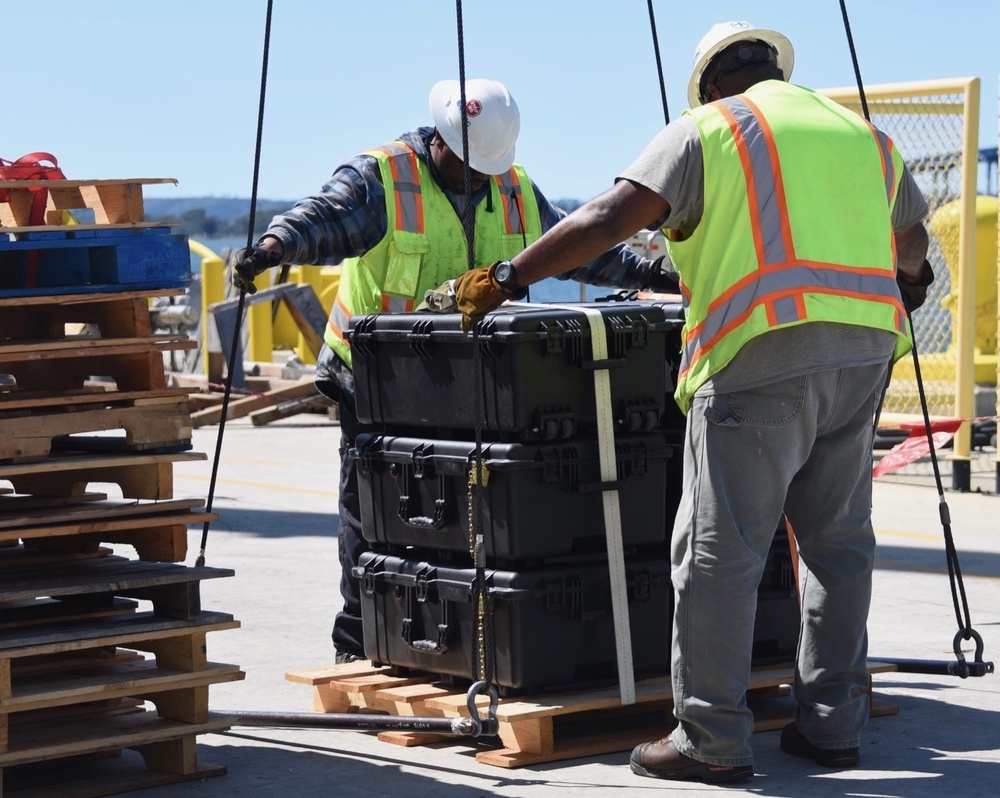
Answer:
x=506 y=279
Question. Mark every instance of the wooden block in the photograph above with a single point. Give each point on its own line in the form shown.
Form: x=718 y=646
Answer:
x=115 y=203
x=184 y=653
x=189 y=704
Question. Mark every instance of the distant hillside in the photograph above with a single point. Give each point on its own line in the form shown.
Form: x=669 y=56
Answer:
x=229 y=216
x=225 y=209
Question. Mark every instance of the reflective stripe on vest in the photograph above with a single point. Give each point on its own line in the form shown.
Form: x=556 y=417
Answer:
x=781 y=280
x=406 y=187
x=513 y=201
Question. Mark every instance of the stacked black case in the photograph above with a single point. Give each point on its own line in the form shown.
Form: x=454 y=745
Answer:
x=543 y=524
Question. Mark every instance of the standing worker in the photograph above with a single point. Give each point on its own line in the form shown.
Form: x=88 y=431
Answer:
x=393 y=217
x=787 y=217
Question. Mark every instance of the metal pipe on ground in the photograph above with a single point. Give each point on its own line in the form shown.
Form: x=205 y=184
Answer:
x=463 y=727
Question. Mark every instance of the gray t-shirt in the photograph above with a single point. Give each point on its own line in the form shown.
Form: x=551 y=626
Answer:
x=671 y=165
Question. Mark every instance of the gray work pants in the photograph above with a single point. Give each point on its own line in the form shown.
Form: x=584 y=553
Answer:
x=802 y=446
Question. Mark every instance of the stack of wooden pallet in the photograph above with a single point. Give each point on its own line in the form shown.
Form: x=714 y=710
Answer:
x=89 y=435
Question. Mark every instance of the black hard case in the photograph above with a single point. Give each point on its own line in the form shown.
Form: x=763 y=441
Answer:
x=551 y=627
x=537 y=364
x=542 y=500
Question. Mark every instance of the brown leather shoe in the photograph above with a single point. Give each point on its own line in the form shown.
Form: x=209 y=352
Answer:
x=792 y=742
x=660 y=759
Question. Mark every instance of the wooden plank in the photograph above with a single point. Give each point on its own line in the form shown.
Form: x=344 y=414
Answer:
x=110 y=575
x=94 y=509
x=14 y=503
x=136 y=679
x=91 y=347
x=105 y=525
x=95 y=463
x=140 y=630
x=36 y=400
x=139 y=181
x=73 y=228
x=18 y=615
x=76 y=298
x=54 y=740
x=33 y=436
x=243 y=407
x=286 y=409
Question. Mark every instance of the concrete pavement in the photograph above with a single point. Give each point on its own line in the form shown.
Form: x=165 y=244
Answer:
x=276 y=495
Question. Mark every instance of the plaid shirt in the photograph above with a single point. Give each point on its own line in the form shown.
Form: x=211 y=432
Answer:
x=347 y=218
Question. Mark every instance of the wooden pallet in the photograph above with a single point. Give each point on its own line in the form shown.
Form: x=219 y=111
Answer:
x=133 y=364
x=148 y=425
x=139 y=476
x=114 y=202
x=541 y=728
x=118 y=314
x=74 y=683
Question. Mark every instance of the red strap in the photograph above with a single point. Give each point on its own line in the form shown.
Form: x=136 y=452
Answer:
x=31 y=167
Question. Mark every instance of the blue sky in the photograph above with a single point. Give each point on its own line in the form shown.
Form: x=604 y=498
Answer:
x=136 y=88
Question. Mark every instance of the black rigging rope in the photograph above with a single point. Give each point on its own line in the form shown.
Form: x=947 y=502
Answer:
x=659 y=63
x=962 y=614
x=235 y=349
x=484 y=651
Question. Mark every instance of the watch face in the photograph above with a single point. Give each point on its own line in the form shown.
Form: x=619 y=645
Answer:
x=503 y=272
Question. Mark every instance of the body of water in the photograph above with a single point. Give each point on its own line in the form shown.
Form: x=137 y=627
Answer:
x=550 y=290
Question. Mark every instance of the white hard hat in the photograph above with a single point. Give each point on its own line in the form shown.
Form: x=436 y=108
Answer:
x=723 y=34
x=494 y=122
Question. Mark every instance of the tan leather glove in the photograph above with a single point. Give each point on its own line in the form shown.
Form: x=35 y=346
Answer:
x=477 y=293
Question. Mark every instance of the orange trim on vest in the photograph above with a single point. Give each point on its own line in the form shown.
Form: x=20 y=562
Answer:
x=779 y=182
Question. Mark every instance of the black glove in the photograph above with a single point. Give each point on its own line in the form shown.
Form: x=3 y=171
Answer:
x=660 y=279
x=914 y=289
x=245 y=264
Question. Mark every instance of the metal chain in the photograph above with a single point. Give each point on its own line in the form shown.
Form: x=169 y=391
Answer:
x=485 y=654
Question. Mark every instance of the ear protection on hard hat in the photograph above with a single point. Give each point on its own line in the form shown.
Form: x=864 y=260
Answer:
x=493 y=120
x=723 y=34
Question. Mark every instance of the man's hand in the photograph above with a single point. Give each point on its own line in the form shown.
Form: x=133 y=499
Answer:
x=476 y=294
x=245 y=264
x=661 y=280
x=914 y=289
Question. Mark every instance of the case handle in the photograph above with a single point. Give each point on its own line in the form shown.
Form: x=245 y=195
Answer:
x=417 y=521
x=436 y=521
x=409 y=630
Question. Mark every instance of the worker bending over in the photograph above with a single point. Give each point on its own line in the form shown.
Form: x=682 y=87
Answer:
x=393 y=216
x=789 y=219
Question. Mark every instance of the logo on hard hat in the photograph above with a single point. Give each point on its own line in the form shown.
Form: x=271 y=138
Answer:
x=739 y=24
x=473 y=108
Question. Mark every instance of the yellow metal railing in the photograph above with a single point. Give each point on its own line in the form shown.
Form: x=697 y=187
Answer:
x=266 y=331
x=935 y=124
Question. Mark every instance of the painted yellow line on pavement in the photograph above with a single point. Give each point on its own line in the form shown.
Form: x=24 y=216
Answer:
x=265 y=485
x=912 y=535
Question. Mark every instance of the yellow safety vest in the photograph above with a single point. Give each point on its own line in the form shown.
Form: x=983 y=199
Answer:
x=424 y=244
x=797 y=226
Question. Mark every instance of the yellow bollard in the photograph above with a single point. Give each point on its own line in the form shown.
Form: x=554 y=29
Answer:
x=260 y=347
x=213 y=289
